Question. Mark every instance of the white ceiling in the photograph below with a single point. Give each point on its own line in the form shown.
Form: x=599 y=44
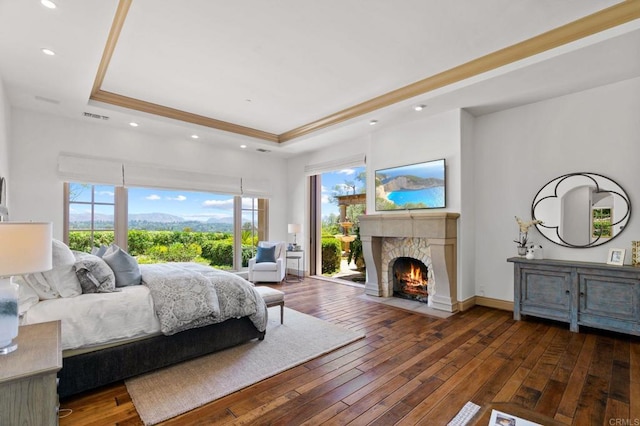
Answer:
x=280 y=64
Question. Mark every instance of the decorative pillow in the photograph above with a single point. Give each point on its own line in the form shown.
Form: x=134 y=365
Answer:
x=266 y=254
x=124 y=266
x=40 y=285
x=99 y=251
x=60 y=280
x=27 y=297
x=62 y=276
x=95 y=275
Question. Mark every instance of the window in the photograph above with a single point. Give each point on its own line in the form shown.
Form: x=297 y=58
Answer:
x=90 y=212
x=254 y=218
x=166 y=225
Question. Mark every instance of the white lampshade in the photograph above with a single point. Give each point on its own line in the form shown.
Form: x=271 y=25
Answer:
x=25 y=247
x=294 y=228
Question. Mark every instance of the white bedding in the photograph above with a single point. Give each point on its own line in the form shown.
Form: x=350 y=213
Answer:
x=99 y=318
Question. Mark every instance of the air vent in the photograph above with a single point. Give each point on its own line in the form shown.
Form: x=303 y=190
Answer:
x=262 y=150
x=96 y=116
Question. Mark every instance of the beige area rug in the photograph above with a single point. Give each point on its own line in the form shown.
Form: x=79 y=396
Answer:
x=407 y=305
x=166 y=393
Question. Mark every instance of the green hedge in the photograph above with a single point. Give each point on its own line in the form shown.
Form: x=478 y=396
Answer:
x=216 y=248
x=331 y=255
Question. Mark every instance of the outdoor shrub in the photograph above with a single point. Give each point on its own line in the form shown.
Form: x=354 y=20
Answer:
x=81 y=240
x=222 y=253
x=331 y=255
x=176 y=252
x=139 y=242
x=247 y=253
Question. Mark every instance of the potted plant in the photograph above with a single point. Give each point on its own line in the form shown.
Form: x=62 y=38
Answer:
x=523 y=234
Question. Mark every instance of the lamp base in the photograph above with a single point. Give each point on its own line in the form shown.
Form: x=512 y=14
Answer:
x=8 y=315
x=9 y=348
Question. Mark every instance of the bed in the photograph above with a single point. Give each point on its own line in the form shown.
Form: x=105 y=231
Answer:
x=175 y=312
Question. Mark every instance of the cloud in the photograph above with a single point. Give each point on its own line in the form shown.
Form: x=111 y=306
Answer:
x=153 y=197
x=347 y=172
x=178 y=198
x=109 y=193
x=218 y=204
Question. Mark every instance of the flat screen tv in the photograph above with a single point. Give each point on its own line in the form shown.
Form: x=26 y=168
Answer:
x=415 y=186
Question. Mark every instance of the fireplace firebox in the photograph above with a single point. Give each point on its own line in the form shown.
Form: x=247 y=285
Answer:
x=410 y=279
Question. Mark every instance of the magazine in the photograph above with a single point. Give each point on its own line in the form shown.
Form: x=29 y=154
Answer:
x=498 y=418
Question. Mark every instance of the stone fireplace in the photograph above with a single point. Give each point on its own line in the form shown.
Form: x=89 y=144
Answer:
x=429 y=238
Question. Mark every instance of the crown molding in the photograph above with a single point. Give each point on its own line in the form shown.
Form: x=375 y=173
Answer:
x=605 y=19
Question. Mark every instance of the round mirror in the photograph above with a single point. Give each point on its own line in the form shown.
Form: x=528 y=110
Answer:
x=581 y=210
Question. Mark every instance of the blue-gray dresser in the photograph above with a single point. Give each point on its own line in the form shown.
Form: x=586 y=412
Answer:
x=580 y=293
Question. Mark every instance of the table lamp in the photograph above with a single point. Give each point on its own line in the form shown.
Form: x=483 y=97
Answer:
x=24 y=248
x=294 y=228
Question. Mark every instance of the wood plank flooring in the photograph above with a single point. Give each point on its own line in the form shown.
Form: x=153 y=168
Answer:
x=414 y=369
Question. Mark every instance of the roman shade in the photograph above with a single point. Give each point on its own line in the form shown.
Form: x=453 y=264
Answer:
x=111 y=171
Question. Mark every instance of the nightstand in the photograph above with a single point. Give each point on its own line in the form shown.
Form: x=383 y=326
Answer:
x=28 y=389
x=298 y=256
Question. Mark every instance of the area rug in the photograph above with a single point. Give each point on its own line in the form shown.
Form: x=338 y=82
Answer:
x=171 y=391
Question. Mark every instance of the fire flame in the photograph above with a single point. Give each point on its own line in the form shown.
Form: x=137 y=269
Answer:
x=413 y=277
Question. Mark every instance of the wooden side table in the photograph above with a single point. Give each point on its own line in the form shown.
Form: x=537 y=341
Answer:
x=28 y=388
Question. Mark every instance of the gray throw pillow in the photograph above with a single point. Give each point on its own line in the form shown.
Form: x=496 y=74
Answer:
x=124 y=266
x=99 y=251
x=95 y=275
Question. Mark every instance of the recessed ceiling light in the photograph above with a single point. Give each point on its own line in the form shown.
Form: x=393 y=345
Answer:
x=373 y=122
x=243 y=146
x=48 y=4
x=48 y=51
x=133 y=124
x=419 y=107
x=194 y=136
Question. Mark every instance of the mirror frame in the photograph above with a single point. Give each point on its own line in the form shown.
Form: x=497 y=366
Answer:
x=556 y=182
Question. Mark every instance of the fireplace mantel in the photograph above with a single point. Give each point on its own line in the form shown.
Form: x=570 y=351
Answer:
x=440 y=230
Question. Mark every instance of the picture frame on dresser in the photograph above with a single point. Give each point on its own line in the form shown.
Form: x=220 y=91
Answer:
x=616 y=256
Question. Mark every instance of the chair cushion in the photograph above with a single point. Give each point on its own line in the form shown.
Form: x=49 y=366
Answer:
x=270 y=295
x=266 y=254
x=265 y=266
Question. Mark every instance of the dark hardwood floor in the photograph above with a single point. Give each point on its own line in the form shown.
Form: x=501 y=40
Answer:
x=414 y=369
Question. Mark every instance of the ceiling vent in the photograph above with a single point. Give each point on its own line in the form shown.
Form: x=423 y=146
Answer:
x=96 y=116
x=262 y=150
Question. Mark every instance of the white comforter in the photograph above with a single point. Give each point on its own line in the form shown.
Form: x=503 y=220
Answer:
x=99 y=318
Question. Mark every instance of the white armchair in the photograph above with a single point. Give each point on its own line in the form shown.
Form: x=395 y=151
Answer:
x=261 y=269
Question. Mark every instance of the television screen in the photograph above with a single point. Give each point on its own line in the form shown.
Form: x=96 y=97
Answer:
x=415 y=186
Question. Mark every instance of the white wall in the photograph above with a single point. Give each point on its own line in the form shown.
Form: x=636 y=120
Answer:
x=521 y=149
x=37 y=140
x=430 y=138
x=5 y=120
x=446 y=135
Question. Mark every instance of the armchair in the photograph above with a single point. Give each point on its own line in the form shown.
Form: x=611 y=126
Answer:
x=266 y=268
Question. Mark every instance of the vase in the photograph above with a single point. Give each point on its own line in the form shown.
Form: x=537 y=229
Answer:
x=522 y=251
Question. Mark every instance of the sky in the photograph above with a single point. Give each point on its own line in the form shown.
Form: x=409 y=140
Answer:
x=330 y=180
x=186 y=204
x=199 y=205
